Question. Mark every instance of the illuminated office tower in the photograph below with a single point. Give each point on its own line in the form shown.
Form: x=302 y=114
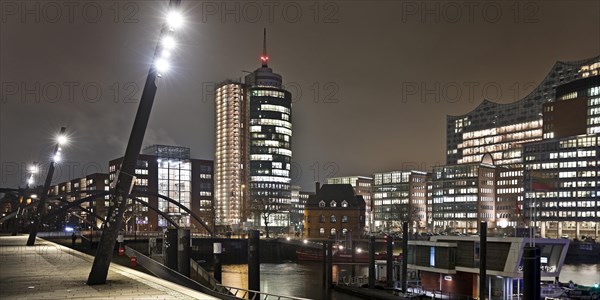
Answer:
x=562 y=171
x=231 y=158
x=270 y=144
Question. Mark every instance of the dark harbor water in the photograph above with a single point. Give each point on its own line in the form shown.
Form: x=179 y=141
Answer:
x=304 y=279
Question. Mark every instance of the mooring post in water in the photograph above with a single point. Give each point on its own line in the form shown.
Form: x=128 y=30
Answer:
x=372 y=262
x=324 y=264
x=329 y=266
x=531 y=273
x=353 y=259
x=253 y=262
x=183 y=252
x=217 y=250
x=389 y=266
x=483 y=260
x=170 y=245
x=405 y=235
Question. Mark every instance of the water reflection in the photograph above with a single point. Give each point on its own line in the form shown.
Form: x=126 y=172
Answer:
x=584 y=274
x=305 y=279
x=291 y=279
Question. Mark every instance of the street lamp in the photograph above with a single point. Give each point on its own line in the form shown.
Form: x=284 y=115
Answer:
x=124 y=182
x=60 y=140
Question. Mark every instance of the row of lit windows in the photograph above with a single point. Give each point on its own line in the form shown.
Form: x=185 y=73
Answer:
x=268 y=93
x=271 y=122
x=276 y=108
x=269 y=179
x=503 y=129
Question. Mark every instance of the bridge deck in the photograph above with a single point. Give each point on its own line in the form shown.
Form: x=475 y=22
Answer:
x=51 y=271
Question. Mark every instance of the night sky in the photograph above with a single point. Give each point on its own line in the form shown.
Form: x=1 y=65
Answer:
x=372 y=81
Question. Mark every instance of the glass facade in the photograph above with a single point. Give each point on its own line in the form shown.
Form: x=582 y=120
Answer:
x=501 y=129
x=270 y=153
x=174 y=181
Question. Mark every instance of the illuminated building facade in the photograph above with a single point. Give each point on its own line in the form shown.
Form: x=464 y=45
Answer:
x=464 y=195
x=298 y=201
x=270 y=145
x=399 y=196
x=169 y=171
x=501 y=129
x=335 y=211
x=363 y=186
x=569 y=163
x=570 y=205
x=231 y=154
x=80 y=188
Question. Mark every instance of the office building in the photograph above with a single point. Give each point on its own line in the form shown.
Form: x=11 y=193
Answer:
x=463 y=196
x=562 y=171
x=169 y=171
x=399 y=196
x=501 y=129
x=81 y=188
x=298 y=201
x=270 y=144
x=231 y=154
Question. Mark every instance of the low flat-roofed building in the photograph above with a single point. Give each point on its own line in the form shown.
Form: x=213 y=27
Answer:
x=450 y=264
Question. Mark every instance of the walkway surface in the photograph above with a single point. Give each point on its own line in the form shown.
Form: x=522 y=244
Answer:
x=51 y=271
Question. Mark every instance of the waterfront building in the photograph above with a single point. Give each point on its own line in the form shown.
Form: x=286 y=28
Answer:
x=501 y=129
x=270 y=147
x=298 y=201
x=399 y=196
x=231 y=154
x=363 y=186
x=450 y=264
x=169 y=171
x=464 y=195
x=335 y=211
x=80 y=188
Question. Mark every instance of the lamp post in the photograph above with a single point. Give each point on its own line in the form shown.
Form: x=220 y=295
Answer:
x=125 y=178
x=33 y=169
x=61 y=140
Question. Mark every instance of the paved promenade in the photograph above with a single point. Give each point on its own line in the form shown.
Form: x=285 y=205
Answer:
x=51 y=271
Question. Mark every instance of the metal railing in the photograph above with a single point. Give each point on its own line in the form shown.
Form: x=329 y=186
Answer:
x=251 y=295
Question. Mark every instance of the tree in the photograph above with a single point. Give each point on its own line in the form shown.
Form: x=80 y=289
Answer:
x=262 y=208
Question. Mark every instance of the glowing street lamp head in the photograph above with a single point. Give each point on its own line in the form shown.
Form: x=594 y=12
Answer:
x=33 y=169
x=168 y=42
x=162 y=65
x=62 y=139
x=174 y=19
x=57 y=158
x=30 y=180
